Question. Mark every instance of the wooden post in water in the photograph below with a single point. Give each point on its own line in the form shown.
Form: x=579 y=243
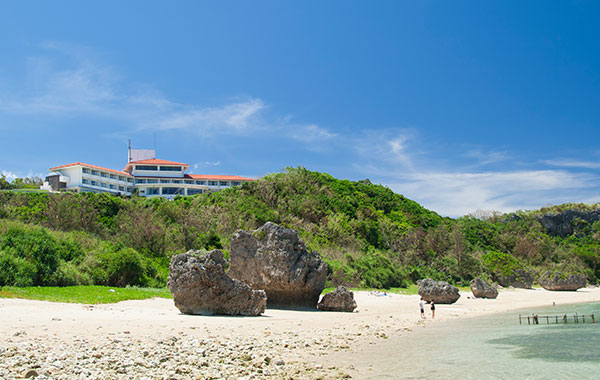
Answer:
x=593 y=320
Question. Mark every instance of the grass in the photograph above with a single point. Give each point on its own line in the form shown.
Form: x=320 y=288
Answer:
x=104 y=294
x=82 y=294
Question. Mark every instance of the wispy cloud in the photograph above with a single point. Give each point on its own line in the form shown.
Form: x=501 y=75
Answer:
x=69 y=81
x=8 y=175
x=482 y=157
x=454 y=190
x=312 y=133
x=460 y=193
x=205 y=164
x=567 y=163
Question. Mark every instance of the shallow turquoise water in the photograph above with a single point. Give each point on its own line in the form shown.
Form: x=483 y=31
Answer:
x=495 y=347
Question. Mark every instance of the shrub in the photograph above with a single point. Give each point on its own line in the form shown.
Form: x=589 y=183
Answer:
x=123 y=267
x=377 y=271
x=35 y=246
x=68 y=274
x=15 y=270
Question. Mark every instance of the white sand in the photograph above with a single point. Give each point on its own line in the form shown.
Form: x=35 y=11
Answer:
x=279 y=344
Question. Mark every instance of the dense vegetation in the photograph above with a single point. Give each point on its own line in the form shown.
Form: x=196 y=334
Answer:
x=368 y=235
x=20 y=183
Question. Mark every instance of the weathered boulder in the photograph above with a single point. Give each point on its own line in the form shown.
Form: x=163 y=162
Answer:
x=517 y=278
x=200 y=286
x=481 y=289
x=437 y=291
x=273 y=258
x=341 y=299
x=558 y=281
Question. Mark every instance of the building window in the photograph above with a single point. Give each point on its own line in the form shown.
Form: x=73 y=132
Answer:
x=222 y=183
x=235 y=183
x=212 y=183
x=146 y=167
x=176 y=181
x=172 y=191
x=189 y=181
x=105 y=175
x=121 y=188
x=153 y=191
x=170 y=168
x=165 y=181
x=194 y=191
x=130 y=189
x=112 y=176
x=112 y=186
x=122 y=178
x=87 y=171
x=130 y=180
x=85 y=181
x=94 y=183
x=95 y=172
x=140 y=181
x=102 y=184
x=152 y=181
x=201 y=183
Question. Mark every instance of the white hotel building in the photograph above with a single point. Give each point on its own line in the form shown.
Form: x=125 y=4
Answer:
x=150 y=177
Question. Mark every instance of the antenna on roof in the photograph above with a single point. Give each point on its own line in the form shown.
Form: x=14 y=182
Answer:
x=129 y=152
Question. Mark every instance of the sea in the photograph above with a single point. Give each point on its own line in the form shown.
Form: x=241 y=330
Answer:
x=494 y=347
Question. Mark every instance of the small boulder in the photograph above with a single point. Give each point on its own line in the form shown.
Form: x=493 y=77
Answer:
x=341 y=299
x=481 y=289
x=517 y=278
x=437 y=291
x=558 y=281
x=200 y=286
x=274 y=258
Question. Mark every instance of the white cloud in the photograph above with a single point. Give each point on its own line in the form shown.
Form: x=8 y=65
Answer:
x=10 y=176
x=453 y=190
x=459 y=193
x=236 y=117
x=199 y=165
x=567 y=163
x=311 y=133
x=84 y=86
x=484 y=157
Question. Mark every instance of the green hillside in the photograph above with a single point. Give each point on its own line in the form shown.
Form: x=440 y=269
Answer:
x=368 y=235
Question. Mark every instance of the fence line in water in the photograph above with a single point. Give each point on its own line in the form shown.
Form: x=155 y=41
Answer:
x=558 y=318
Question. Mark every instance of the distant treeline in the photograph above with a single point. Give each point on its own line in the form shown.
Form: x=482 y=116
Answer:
x=368 y=235
x=20 y=183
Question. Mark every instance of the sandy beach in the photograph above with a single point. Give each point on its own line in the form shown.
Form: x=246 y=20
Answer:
x=150 y=339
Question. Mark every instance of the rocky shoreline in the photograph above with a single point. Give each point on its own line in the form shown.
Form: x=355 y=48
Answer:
x=180 y=356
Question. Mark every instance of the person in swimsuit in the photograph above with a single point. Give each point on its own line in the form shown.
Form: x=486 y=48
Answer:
x=432 y=310
x=422 y=307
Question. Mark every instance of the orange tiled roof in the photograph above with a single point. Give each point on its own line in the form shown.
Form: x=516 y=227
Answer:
x=219 y=177
x=90 y=166
x=154 y=161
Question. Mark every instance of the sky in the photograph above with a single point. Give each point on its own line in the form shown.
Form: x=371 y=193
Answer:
x=461 y=105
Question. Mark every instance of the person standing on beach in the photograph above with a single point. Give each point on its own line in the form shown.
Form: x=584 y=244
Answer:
x=432 y=309
x=422 y=307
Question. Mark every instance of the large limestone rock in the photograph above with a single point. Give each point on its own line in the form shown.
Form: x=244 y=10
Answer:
x=481 y=289
x=437 y=291
x=558 y=281
x=518 y=278
x=200 y=286
x=567 y=222
x=341 y=299
x=273 y=258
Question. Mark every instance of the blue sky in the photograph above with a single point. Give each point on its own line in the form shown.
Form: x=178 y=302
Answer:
x=462 y=105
